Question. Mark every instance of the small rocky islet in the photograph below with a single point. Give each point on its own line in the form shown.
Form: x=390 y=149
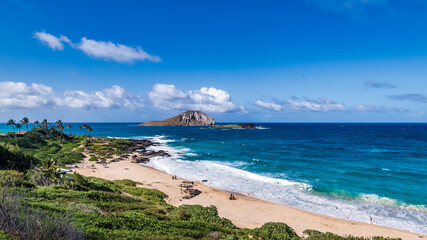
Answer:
x=194 y=118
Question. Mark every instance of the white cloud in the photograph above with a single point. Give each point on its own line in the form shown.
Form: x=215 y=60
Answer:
x=50 y=40
x=98 y=49
x=116 y=52
x=311 y=105
x=20 y=95
x=168 y=97
x=268 y=105
x=366 y=108
x=319 y=105
x=379 y=109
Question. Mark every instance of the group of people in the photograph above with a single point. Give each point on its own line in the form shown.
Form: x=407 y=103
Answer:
x=232 y=197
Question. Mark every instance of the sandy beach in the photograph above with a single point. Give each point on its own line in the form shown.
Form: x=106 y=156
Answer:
x=244 y=212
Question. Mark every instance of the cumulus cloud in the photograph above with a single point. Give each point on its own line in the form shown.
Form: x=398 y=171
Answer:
x=20 y=95
x=114 y=97
x=268 y=105
x=98 y=49
x=296 y=104
x=413 y=97
x=376 y=84
x=168 y=97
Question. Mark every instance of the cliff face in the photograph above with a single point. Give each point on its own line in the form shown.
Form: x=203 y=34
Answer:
x=188 y=118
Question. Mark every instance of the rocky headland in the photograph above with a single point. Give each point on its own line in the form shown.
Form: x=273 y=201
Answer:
x=187 y=118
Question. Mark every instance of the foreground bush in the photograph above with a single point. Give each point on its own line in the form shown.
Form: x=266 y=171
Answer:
x=12 y=157
x=20 y=221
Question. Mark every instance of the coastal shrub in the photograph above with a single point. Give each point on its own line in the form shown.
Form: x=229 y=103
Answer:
x=24 y=142
x=23 y=222
x=13 y=178
x=317 y=235
x=93 y=158
x=68 y=157
x=127 y=182
x=145 y=193
x=34 y=137
x=38 y=178
x=4 y=236
x=205 y=214
x=274 y=230
x=76 y=182
x=177 y=214
x=12 y=157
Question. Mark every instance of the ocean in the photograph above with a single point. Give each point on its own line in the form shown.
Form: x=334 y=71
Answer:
x=344 y=170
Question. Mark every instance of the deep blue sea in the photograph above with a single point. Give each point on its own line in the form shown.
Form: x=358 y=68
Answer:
x=354 y=170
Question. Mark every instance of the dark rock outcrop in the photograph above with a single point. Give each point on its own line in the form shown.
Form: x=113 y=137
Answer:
x=247 y=125
x=188 y=118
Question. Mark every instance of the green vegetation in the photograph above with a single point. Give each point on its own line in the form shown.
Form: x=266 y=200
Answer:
x=37 y=201
x=105 y=148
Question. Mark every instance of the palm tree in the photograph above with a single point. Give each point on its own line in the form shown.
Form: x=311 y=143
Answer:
x=25 y=121
x=18 y=126
x=44 y=123
x=51 y=130
x=69 y=127
x=37 y=123
x=89 y=129
x=81 y=132
x=12 y=122
x=85 y=127
x=60 y=126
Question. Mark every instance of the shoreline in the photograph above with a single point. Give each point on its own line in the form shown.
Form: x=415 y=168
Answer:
x=245 y=212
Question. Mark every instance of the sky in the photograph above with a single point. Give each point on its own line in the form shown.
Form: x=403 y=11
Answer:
x=237 y=61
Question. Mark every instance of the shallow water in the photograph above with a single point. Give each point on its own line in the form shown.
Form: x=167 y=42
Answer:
x=337 y=169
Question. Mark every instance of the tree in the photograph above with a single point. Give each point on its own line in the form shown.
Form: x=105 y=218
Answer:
x=69 y=127
x=89 y=129
x=44 y=124
x=37 y=123
x=25 y=121
x=60 y=126
x=18 y=126
x=85 y=127
x=12 y=122
x=81 y=131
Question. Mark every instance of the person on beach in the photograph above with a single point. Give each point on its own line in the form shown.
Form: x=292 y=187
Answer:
x=370 y=219
x=232 y=197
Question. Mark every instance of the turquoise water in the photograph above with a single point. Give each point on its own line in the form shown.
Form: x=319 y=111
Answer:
x=337 y=169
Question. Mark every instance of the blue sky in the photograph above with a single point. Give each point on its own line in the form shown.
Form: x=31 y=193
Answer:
x=273 y=61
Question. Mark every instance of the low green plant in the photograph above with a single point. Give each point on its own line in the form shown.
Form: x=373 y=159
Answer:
x=93 y=158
